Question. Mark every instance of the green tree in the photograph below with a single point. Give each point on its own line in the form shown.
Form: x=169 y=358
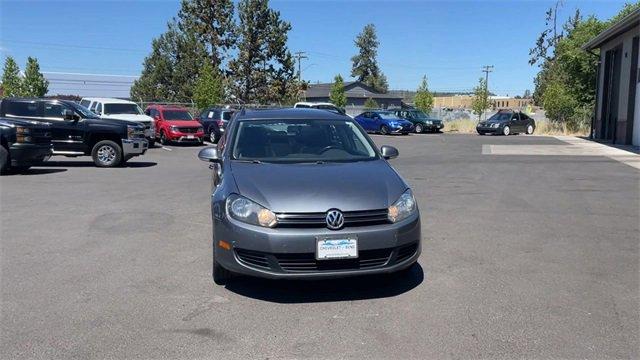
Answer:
x=170 y=71
x=209 y=88
x=34 y=83
x=365 y=64
x=370 y=104
x=212 y=23
x=11 y=80
x=263 y=70
x=423 y=98
x=480 y=101
x=337 y=95
x=559 y=103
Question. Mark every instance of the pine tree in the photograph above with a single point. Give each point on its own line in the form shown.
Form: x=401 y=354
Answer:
x=337 y=94
x=209 y=89
x=170 y=71
x=34 y=83
x=423 y=98
x=263 y=70
x=370 y=104
x=365 y=64
x=11 y=80
x=212 y=23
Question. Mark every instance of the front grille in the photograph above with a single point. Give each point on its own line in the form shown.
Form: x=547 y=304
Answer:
x=188 y=130
x=351 y=218
x=306 y=262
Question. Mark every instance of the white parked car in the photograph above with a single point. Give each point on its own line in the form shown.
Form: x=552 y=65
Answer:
x=319 y=105
x=112 y=108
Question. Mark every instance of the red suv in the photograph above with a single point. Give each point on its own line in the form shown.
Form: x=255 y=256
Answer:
x=175 y=124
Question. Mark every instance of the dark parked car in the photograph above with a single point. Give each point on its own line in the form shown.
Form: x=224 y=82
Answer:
x=507 y=122
x=23 y=144
x=306 y=194
x=214 y=120
x=421 y=121
x=384 y=122
x=76 y=131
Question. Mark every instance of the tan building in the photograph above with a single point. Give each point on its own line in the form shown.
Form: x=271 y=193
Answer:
x=617 y=115
x=465 y=102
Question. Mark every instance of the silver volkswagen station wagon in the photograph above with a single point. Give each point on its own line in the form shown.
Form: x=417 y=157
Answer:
x=304 y=193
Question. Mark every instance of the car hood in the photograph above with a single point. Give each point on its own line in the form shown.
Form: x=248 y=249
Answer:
x=117 y=122
x=130 y=117
x=364 y=185
x=183 y=123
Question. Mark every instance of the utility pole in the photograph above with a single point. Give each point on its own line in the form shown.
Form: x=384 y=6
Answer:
x=300 y=55
x=486 y=70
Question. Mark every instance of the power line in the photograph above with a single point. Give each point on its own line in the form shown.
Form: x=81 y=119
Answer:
x=300 y=55
x=486 y=70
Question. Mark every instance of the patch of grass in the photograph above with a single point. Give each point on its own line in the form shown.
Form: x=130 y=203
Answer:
x=543 y=127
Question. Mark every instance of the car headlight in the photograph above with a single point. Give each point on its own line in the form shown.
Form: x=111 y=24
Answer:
x=428 y=122
x=173 y=128
x=132 y=131
x=22 y=134
x=245 y=210
x=403 y=207
x=495 y=125
x=200 y=129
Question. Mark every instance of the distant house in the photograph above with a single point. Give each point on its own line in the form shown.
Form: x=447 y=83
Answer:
x=357 y=93
x=617 y=113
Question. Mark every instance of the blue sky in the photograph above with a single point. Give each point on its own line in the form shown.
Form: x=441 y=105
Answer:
x=447 y=41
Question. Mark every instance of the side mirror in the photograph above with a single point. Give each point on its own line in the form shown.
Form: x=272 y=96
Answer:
x=209 y=154
x=389 y=152
x=68 y=114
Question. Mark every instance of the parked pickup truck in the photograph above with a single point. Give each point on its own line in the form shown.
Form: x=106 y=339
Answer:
x=112 y=108
x=76 y=131
x=23 y=144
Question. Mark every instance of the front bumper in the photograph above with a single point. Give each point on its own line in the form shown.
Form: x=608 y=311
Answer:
x=289 y=253
x=134 y=147
x=185 y=137
x=489 y=130
x=433 y=127
x=24 y=154
x=402 y=130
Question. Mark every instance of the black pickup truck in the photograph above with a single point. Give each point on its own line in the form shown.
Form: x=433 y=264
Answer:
x=76 y=131
x=23 y=144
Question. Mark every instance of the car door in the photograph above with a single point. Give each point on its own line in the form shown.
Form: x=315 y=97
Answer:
x=375 y=122
x=515 y=123
x=67 y=136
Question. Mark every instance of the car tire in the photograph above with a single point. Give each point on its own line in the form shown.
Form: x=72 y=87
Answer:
x=384 y=130
x=506 y=130
x=220 y=275
x=529 y=129
x=419 y=128
x=152 y=143
x=4 y=160
x=106 y=153
x=163 y=138
x=20 y=169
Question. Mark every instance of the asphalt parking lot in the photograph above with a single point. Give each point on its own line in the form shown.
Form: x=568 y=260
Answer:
x=523 y=256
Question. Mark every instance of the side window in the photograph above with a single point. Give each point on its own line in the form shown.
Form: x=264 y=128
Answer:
x=99 y=108
x=25 y=109
x=53 y=110
x=515 y=116
x=147 y=112
x=367 y=115
x=93 y=106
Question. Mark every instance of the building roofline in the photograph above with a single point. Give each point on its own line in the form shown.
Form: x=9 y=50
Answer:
x=623 y=25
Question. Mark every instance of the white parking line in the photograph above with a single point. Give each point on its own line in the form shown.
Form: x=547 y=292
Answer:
x=574 y=147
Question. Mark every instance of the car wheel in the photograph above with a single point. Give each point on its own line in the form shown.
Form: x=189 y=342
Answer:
x=384 y=130
x=529 y=129
x=220 y=275
x=419 y=128
x=152 y=143
x=106 y=153
x=506 y=131
x=20 y=169
x=163 y=138
x=4 y=160
x=213 y=137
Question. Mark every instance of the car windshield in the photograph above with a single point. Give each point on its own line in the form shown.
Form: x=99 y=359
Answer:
x=501 y=116
x=114 y=109
x=318 y=140
x=83 y=111
x=177 y=115
x=419 y=115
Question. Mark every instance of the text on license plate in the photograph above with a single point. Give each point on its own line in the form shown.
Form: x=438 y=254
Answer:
x=337 y=248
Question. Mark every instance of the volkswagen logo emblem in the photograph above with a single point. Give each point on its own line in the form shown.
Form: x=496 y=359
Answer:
x=335 y=219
